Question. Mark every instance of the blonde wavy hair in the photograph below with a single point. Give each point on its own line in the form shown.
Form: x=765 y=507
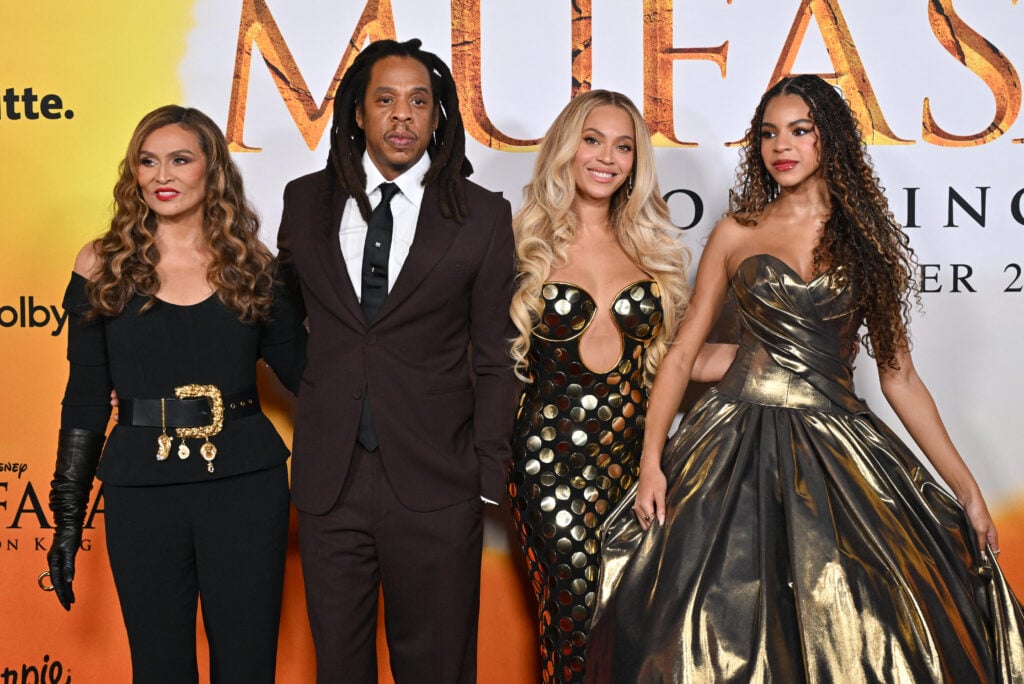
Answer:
x=546 y=226
x=242 y=268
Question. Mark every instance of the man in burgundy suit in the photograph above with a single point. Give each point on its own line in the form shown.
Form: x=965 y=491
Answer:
x=406 y=407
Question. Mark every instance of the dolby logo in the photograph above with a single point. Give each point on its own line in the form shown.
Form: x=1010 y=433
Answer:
x=26 y=313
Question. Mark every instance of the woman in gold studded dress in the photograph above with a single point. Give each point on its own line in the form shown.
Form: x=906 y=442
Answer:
x=601 y=289
x=790 y=535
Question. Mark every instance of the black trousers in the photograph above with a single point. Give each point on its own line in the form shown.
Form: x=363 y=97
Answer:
x=428 y=565
x=223 y=541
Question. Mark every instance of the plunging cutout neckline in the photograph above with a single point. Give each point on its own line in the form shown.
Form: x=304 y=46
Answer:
x=611 y=313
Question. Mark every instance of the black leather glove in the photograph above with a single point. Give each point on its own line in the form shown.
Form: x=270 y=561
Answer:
x=78 y=454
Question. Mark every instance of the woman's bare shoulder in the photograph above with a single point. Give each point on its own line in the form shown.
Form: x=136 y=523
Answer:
x=87 y=261
x=728 y=234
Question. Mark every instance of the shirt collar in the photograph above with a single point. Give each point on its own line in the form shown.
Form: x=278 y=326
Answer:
x=410 y=183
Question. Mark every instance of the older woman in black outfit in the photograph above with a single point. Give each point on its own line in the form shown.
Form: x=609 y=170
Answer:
x=172 y=307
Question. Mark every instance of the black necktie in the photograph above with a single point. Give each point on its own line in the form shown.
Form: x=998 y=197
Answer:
x=375 y=286
x=376 y=252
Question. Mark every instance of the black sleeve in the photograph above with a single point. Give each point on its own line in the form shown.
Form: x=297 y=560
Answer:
x=283 y=339
x=86 y=403
x=286 y=272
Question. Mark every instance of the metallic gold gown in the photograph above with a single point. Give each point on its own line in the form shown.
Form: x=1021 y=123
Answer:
x=803 y=541
x=576 y=450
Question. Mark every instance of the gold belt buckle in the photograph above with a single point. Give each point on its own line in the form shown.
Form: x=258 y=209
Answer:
x=211 y=393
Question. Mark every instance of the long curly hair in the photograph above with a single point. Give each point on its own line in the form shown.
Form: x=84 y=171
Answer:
x=546 y=226
x=241 y=271
x=447 y=147
x=861 y=239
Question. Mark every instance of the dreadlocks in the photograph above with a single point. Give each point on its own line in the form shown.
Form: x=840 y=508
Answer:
x=447 y=148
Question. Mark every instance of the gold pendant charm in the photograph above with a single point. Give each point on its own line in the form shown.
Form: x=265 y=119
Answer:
x=163 y=447
x=209 y=452
x=183 y=451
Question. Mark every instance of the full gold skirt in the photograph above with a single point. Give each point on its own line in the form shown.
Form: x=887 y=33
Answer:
x=803 y=543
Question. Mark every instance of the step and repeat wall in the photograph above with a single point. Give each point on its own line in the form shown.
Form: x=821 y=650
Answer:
x=935 y=85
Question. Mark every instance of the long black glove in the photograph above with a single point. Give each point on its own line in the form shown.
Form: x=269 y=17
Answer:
x=78 y=453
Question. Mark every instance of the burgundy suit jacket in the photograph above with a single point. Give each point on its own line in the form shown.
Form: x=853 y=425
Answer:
x=434 y=361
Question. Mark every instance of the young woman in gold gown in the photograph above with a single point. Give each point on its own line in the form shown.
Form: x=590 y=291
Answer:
x=790 y=535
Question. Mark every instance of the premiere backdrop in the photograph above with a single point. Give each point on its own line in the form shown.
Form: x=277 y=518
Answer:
x=936 y=86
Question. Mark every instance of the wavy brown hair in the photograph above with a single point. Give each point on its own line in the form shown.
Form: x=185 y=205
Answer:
x=546 y=225
x=861 y=239
x=242 y=268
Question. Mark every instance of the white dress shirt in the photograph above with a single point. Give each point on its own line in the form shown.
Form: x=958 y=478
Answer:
x=405 y=208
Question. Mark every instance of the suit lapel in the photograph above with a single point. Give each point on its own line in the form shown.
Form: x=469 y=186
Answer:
x=434 y=235
x=333 y=262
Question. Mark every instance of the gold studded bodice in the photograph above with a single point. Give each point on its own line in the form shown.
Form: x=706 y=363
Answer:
x=576 y=450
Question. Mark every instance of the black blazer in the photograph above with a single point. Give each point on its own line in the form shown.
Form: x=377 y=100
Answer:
x=434 y=361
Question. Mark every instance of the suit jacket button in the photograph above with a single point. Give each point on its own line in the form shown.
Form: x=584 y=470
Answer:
x=371 y=339
x=357 y=394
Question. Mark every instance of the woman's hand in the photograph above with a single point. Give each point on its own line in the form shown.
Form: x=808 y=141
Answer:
x=650 y=496
x=913 y=403
x=981 y=521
